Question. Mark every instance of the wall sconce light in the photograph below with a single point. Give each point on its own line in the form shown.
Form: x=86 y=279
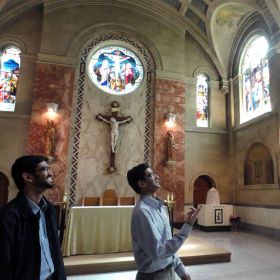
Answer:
x=51 y=110
x=170 y=120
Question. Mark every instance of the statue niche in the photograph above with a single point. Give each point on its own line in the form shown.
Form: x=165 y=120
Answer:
x=258 y=165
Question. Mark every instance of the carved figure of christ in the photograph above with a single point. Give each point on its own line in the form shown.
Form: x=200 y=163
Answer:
x=114 y=120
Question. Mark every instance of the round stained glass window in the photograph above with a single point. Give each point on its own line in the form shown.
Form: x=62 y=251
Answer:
x=115 y=70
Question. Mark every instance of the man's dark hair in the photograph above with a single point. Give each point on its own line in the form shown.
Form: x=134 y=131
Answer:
x=26 y=164
x=135 y=174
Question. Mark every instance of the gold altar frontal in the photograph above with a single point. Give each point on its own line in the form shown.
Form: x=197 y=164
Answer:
x=97 y=230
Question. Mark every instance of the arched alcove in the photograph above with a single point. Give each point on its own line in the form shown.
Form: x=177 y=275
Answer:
x=85 y=95
x=258 y=165
x=201 y=186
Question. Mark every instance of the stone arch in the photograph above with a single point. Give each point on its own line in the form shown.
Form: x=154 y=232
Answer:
x=253 y=26
x=12 y=41
x=203 y=70
x=99 y=30
x=98 y=39
x=200 y=186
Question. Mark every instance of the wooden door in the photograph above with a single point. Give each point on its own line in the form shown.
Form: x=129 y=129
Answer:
x=201 y=186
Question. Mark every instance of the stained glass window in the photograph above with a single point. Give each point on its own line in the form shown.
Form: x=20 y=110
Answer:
x=115 y=70
x=9 y=72
x=254 y=69
x=202 y=112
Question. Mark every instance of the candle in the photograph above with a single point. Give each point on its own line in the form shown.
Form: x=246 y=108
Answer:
x=171 y=196
x=168 y=196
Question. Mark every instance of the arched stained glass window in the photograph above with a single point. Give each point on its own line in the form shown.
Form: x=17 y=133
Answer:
x=202 y=110
x=115 y=70
x=255 y=96
x=9 y=73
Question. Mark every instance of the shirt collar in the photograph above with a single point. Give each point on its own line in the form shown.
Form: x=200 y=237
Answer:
x=156 y=202
x=35 y=207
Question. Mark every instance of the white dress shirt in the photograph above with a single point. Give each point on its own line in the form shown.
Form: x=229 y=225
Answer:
x=153 y=245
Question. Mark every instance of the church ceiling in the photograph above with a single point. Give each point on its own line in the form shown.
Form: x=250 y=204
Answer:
x=212 y=23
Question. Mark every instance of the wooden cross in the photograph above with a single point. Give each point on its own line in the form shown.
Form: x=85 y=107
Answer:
x=114 y=120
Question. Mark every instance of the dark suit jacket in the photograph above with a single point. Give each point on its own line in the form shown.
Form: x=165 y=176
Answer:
x=20 y=253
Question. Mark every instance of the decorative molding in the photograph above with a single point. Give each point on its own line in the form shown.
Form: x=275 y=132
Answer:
x=152 y=9
x=206 y=130
x=167 y=75
x=255 y=121
x=123 y=30
x=28 y=55
x=257 y=205
x=268 y=16
x=11 y=115
x=258 y=187
x=251 y=26
x=204 y=47
x=10 y=15
x=57 y=59
x=12 y=40
x=224 y=89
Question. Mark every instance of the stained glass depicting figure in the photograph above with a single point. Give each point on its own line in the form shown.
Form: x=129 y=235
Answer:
x=9 y=73
x=115 y=70
x=255 y=80
x=202 y=112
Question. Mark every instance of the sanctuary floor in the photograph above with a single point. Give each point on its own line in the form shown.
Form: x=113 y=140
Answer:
x=194 y=251
x=254 y=257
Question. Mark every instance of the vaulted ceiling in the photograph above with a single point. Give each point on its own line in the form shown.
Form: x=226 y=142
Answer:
x=212 y=23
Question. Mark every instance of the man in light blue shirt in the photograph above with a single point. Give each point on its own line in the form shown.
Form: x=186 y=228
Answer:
x=47 y=267
x=154 y=247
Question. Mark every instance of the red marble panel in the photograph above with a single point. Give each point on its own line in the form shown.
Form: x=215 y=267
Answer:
x=170 y=95
x=53 y=83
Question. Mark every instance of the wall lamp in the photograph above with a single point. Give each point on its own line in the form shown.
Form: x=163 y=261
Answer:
x=51 y=110
x=170 y=120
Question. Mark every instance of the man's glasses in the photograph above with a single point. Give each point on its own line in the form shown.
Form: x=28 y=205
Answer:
x=41 y=169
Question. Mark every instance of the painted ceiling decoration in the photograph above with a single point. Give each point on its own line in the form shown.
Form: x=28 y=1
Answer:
x=230 y=15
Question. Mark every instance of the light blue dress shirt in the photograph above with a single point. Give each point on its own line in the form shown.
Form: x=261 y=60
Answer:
x=154 y=247
x=47 y=267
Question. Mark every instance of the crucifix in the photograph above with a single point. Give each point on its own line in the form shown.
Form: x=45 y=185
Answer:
x=114 y=120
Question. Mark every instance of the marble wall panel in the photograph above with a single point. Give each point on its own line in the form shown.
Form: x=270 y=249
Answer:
x=53 y=83
x=170 y=96
x=93 y=176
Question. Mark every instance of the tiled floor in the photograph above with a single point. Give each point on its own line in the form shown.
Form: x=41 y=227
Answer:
x=253 y=258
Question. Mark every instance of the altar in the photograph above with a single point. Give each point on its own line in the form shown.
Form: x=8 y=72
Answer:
x=97 y=230
x=215 y=217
